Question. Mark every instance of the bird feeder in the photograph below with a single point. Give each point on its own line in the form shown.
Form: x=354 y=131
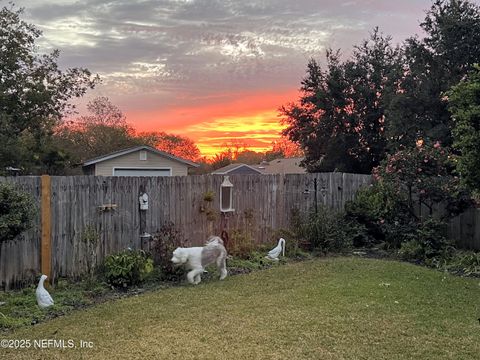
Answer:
x=143 y=200
x=226 y=196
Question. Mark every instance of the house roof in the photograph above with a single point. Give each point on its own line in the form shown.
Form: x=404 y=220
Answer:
x=229 y=168
x=134 y=149
x=283 y=166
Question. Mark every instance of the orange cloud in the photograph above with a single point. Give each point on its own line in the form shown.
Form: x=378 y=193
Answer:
x=250 y=119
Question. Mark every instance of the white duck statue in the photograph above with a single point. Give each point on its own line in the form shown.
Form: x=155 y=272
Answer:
x=44 y=299
x=275 y=252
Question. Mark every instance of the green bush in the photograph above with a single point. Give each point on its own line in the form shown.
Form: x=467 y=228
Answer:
x=411 y=250
x=465 y=263
x=326 y=230
x=241 y=244
x=377 y=215
x=17 y=210
x=409 y=185
x=431 y=234
x=164 y=242
x=428 y=243
x=130 y=267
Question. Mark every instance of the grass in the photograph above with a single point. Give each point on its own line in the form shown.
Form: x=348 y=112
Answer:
x=20 y=308
x=336 y=308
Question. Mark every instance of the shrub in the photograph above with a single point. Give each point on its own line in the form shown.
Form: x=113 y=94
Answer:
x=164 y=242
x=17 y=210
x=424 y=175
x=254 y=261
x=294 y=246
x=209 y=196
x=465 y=263
x=90 y=237
x=407 y=183
x=431 y=234
x=428 y=244
x=326 y=230
x=241 y=244
x=399 y=231
x=130 y=267
x=378 y=215
x=411 y=250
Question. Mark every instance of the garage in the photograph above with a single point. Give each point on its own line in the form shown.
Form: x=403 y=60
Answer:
x=141 y=172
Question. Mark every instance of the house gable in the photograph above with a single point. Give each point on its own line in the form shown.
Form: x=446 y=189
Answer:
x=283 y=166
x=237 y=169
x=153 y=162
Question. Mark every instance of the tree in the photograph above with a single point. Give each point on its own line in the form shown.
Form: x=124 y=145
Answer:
x=173 y=144
x=102 y=130
x=283 y=148
x=464 y=104
x=83 y=142
x=103 y=113
x=339 y=120
x=34 y=93
x=222 y=159
x=432 y=66
x=250 y=157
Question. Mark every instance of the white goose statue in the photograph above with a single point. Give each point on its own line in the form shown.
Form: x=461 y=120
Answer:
x=44 y=299
x=275 y=252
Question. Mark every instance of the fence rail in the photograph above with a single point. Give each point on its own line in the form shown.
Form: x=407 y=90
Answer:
x=108 y=208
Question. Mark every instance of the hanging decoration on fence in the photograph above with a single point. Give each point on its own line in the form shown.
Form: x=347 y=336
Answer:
x=107 y=207
x=143 y=199
x=226 y=196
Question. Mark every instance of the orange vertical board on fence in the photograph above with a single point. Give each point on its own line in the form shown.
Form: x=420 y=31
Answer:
x=46 y=248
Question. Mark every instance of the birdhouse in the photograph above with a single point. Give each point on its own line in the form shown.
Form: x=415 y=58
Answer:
x=143 y=199
x=226 y=195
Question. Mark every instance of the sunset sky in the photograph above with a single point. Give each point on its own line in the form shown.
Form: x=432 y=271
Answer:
x=211 y=70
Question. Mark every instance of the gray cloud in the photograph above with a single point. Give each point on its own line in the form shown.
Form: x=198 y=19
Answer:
x=202 y=48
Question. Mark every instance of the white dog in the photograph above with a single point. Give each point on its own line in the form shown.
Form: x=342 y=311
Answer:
x=196 y=258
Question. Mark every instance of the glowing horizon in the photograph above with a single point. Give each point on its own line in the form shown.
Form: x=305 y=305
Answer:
x=256 y=132
x=251 y=120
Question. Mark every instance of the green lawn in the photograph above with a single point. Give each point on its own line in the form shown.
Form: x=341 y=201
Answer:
x=335 y=308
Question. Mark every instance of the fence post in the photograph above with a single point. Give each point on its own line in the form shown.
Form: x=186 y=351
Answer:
x=46 y=248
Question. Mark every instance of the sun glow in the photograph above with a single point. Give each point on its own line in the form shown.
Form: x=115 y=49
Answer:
x=256 y=132
x=248 y=120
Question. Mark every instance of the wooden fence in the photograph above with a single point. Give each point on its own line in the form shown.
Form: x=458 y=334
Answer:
x=465 y=229
x=108 y=208
x=83 y=208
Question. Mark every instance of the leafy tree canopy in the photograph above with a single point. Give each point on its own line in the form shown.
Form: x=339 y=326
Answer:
x=351 y=113
x=464 y=104
x=173 y=144
x=34 y=94
x=102 y=130
x=339 y=119
x=432 y=65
